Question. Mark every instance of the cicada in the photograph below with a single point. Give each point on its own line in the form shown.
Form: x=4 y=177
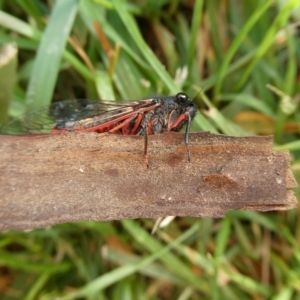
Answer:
x=145 y=117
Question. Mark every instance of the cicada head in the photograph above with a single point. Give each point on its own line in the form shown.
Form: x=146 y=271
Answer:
x=182 y=113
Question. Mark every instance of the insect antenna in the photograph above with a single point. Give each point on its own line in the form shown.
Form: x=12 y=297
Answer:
x=194 y=99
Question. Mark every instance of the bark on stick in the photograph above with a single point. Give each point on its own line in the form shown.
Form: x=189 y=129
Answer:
x=46 y=180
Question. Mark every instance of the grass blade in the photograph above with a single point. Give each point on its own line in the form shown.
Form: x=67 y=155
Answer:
x=47 y=62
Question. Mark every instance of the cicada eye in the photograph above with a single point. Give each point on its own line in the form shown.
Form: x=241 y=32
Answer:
x=182 y=97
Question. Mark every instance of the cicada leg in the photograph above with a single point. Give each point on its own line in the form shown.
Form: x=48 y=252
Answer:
x=147 y=131
x=123 y=124
x=146 y=148
x=187 y=133
x=139 y=117
x=137 y=123
x=183 y=117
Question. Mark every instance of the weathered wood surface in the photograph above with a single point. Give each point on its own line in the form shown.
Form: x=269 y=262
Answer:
x=46 y=180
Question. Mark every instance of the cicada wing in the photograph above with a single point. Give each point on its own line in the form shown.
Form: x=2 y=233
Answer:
x=64 y=115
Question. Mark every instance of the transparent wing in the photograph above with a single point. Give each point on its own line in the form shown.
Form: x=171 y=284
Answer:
x=64 y=114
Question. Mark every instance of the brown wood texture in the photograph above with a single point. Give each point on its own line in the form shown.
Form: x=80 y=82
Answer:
x=46 y=180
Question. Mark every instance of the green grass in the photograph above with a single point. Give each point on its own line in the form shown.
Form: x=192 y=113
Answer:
x=228 y=50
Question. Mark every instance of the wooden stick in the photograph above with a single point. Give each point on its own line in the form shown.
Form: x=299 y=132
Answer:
x=46 y=180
